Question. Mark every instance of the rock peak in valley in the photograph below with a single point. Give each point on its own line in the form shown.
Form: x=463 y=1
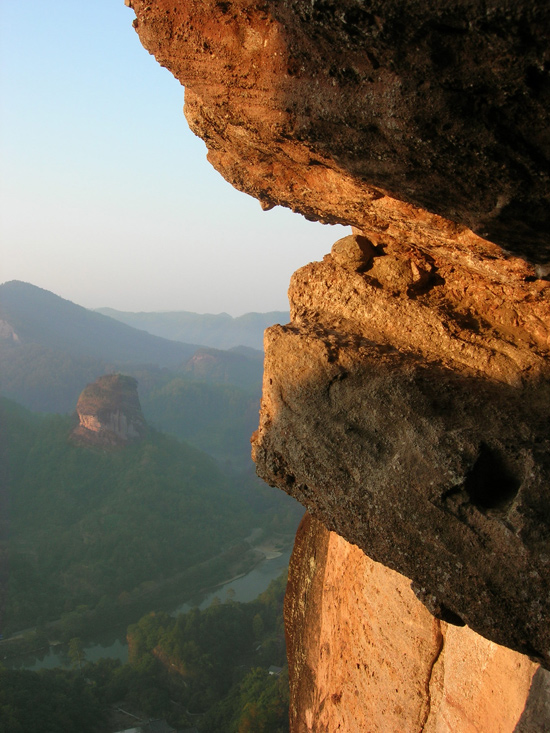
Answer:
x=109 y=413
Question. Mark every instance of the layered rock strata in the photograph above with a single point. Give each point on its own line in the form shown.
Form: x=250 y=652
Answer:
x=366 y=655
x=110 y=413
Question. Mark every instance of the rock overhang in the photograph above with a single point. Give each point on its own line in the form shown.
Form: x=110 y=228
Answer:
x=364 y=113
x=426 y=128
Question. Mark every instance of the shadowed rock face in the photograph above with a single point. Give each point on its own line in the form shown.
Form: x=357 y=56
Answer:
x=420 y=435
x=110 y=413
x=363 y=113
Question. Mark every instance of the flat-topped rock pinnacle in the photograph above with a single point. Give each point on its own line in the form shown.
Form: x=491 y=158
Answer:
x=110 y=413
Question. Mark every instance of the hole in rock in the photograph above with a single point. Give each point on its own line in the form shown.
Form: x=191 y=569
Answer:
x=490 y=484
x=450 y=617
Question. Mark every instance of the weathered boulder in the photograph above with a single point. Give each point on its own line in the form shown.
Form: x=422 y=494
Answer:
x=353 y=252
x=110 y=413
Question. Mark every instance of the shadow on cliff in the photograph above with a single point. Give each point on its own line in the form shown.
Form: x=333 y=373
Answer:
x=439 y=475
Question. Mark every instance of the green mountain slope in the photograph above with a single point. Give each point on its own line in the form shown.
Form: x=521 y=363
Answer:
x=216 y=418
x=241 y=366
x=220 y=331
x=96 y=529
x=44 y=379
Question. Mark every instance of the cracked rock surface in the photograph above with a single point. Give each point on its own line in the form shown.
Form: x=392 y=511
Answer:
x=364 y=654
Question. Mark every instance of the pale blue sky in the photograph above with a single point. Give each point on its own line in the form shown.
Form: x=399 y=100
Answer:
x=106 y=196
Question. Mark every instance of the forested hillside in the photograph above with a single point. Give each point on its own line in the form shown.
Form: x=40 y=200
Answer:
x=206 y=669
x=91 y=538
x=216 y=663
x=216 y=418
x=95 y=530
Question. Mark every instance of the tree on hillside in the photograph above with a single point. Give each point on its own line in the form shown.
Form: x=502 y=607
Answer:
x=76 y=652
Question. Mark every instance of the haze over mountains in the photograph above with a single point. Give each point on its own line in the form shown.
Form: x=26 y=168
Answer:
x=97 y=508
x=40 y=317
x=121 y=509
x=221 y=331
x=50 y=348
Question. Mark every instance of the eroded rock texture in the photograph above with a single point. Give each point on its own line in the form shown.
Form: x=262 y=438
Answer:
x=365 y=112
x=365 y=654
x=415 y=423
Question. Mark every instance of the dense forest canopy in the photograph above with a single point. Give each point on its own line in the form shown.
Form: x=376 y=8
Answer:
x=92 y=538
x=207 y=669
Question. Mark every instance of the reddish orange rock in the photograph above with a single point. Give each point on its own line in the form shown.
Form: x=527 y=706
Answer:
x=365 y=655
x=110 y=413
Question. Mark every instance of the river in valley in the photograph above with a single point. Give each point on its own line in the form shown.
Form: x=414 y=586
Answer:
x=113 y=644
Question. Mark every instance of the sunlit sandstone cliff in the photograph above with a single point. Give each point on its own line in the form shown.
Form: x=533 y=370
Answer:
x=407 y=403
x=366 y=655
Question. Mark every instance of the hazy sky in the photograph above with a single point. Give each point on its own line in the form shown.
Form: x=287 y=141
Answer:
x=106 y=196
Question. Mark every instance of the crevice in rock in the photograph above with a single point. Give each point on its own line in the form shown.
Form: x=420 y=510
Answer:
x=440 y=642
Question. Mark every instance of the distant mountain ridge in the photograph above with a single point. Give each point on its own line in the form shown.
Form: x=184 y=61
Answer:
x=220 y=331
x=38 y=316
